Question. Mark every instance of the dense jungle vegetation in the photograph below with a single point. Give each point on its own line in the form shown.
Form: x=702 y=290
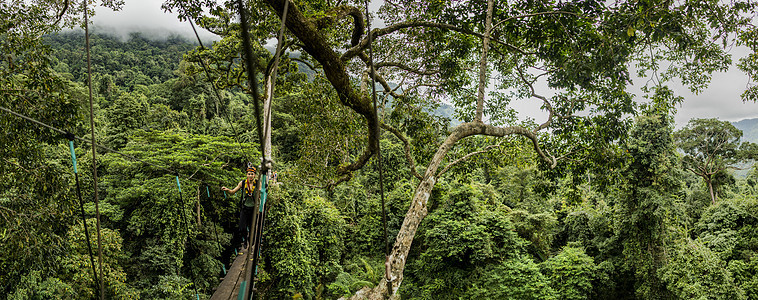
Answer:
x=614 y=204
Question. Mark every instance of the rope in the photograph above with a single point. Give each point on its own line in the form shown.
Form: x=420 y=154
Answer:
x=378 y=132
x=215 y=231
x=84 y=219
x=271 y=85
x=72 y=136
x=186 y=226
x=213 y=87
x=94 y=154
x=260 y=222
x=251 y=75
x=250 y=66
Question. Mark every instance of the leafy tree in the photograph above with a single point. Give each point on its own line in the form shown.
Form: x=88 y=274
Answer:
x=710 y=147
x=516 y=278
x=646 y=202
x=306 y=247
x=582 y=48
x=126 y=115
x=77 y=269
x=695 y=272
x=728 y=229
x=571 y=273
x=465 y=248
x=36 y=286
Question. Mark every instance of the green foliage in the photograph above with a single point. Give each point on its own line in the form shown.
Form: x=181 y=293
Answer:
x=162 y=240
x=515 y=278
x=76 y=268
x=122 y=62
x=570 y=273
x=466 y=234
x=710 y=146
x=360 y=273
x=522 y=187
x=125 y=116
x=37 y=286
x=696 y=272
x=305 y=244
x=538 y=229
x=323 y=121
x=745 y=274
x=646 y=204
x=729 y=229
x=170 y=287
x=590 y=227
x=37 y=207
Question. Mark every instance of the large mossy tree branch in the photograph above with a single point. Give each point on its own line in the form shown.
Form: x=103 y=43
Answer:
x=315 y=44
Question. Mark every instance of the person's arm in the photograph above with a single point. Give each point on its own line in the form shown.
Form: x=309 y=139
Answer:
x=239 y=186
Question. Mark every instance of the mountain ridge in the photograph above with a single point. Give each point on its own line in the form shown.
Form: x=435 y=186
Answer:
x=749 y=129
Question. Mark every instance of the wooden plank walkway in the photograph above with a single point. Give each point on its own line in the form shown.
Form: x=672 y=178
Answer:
x=230 y=284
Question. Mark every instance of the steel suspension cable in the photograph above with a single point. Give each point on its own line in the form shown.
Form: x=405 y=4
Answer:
x=180 y=207
x=378 y=136
x=102 y=147
x=94 y=153
x=247 y=290
x=213 y=86
x=250 y=65
x=81 y=207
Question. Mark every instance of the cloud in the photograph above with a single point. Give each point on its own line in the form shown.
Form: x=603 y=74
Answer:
x=720 y=100
x=145 y=16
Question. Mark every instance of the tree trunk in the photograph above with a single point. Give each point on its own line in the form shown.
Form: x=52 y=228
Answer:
x=270 y=83
x=316 y=45
x=418 y=209
x=483 y=62
x=710 y=188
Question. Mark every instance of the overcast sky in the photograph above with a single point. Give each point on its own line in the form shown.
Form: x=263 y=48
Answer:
x=720 y=100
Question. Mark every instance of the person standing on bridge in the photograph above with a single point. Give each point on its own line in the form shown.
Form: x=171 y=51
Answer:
x=249 y=197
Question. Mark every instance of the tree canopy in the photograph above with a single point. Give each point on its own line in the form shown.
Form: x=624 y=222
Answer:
x=591 y=202
x=710 y=147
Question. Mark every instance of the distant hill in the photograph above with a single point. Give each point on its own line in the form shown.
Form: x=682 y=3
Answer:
x=749 y=129
x=447 y=111
x=138 y=60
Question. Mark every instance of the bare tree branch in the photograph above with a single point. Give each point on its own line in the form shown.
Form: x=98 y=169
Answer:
x=466 y=157
x=406 y=68
x=548 y=106
x=559 y=12
x=407 y=147
x=355 y=50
